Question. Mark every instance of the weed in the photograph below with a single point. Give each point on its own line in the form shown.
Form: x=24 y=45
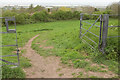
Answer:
x=93 y=68
x=58 y=69
x=93 y=77
x=73 y=73
x=61 y=74
x=80 y=63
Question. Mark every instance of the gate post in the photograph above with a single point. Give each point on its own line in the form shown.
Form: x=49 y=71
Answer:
x=105 y=31
x=81 y=15
x=101 y=21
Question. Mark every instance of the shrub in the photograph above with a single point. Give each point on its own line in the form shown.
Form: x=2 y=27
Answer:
x=86 y=16
x=40 y=16
x=68 y=15
x=62 y=15
x=8 y=14
x=20 y=18
x=76 y=15
x=59 y=15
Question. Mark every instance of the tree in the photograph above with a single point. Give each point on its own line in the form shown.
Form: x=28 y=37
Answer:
x=88 y=9
x=96 y=9
x=31 y=6
x=30 y=9
x=38 y=8
x=14 y=9
x=22 y=10
x=113 y=8
x=65 y=9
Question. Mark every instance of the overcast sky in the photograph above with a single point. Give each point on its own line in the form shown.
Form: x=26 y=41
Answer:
x=57 y=2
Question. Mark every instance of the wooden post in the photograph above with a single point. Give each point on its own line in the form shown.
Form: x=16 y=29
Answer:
x=105 y=31
x=81 y=15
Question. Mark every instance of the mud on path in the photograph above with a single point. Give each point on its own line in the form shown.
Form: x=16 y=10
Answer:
x=50 y=67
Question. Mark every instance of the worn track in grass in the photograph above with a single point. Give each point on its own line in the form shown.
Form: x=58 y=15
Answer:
x=50 y=67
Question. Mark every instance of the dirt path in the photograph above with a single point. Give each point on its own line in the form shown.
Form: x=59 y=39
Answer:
x=50 y=67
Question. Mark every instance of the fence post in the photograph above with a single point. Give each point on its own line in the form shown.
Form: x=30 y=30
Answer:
x=6 y=23
x=105 y=31
x=81 y=15
x=100 y=31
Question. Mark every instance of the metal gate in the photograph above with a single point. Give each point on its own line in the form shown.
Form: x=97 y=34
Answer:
x=10 y=31
x=103 y=30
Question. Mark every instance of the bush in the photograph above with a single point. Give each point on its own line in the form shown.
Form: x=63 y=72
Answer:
x=86 y=17
x=24 y=18
x=62 y=15
x=59 y=15
x=20 y=19
x=8 y=14
x=76 y=15
x=40 y=16
x=68 y=15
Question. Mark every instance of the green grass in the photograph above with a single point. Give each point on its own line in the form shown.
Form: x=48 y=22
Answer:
x=24 y=33
x=64 y=37
x=94 y=69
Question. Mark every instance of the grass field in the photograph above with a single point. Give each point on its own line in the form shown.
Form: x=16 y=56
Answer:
x=64 y=37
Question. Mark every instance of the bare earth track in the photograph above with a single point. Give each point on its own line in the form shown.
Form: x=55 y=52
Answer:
x=51 y=67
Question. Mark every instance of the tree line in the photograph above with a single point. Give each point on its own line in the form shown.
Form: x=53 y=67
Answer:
x=40 y=14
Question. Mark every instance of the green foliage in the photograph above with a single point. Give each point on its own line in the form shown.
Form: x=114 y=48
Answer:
x=80 y=63
x=8 y=13
x=12 y=73
x=67 y=44
x=59 y=15
x=20 y=19
x=64 y=36
x=65 y=15
x=93 y=77
x=86 y=16
x=40 y=16
x=23 y=37
x=76 y=14
x=94 y=69
x=64 y=9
